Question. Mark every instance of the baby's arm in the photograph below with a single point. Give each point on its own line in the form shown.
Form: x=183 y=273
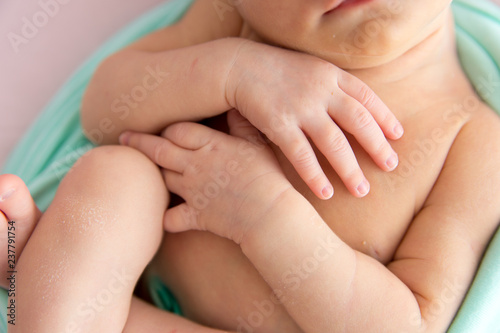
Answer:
x=176 y=73
x=422 y=288
x=324 y=284
x=441 y=250
x=320 y=280
x=190 y=71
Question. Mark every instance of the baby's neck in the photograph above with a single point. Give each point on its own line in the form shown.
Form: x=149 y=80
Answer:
x=424 y=76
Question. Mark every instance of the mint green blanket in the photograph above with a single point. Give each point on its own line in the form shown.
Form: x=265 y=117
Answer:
x=55 y=141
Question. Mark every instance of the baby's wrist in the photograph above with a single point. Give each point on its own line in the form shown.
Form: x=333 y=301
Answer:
x=274 y=216
x=238 y=68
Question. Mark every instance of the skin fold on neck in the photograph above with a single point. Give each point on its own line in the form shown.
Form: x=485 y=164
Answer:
x=425 y=75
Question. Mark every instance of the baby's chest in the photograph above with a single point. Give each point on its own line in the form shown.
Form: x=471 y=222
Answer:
x=376 y=224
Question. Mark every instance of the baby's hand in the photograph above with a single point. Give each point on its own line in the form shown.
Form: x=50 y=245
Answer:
x=290 y=96
x=227 y=181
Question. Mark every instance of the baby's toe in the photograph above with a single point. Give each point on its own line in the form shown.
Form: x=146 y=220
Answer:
x=16 y=202
x=18 y=214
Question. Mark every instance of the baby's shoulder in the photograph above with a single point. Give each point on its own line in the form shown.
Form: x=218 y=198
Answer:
x=481 y=131
x=211 y=19
x=205 y=20
x=470 y=176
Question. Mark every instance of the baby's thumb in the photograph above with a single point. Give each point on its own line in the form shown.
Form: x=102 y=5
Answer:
x=181 y=218
x=240 y=127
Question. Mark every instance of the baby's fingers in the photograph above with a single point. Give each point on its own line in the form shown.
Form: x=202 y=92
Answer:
x=359 y=91
x=181 y=218
x=357 y=120
x=332 y=142
x=160 y=150
x=299 y=152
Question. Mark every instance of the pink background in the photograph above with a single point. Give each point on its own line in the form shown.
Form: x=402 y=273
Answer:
x=31 y=76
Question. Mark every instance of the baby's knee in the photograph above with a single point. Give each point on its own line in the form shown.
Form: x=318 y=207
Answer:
x=118 y=169
x=118 y=192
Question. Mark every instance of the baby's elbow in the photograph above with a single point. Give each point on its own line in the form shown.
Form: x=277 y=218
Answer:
x=434 y=315
x=87 y=117
x=98 y=125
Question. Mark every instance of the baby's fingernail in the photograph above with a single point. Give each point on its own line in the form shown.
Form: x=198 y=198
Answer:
x=392 y=161
x=398 y=130
x=363 y=188
x=124 y=138
x=7 y=194
x=327 y=192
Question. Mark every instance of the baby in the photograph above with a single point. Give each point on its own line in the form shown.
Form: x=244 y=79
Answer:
x=399 y=259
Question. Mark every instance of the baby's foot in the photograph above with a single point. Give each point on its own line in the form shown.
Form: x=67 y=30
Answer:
x=18 y=217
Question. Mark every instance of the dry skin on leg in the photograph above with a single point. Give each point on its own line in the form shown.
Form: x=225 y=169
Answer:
x=84 y=258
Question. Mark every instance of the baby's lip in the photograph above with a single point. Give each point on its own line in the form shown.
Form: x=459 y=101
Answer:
x=333 y=5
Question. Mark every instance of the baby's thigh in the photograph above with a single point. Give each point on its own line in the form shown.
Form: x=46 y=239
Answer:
x=216 y=285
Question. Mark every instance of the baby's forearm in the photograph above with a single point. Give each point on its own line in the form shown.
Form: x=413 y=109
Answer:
x=325 y=285
x=147 y=91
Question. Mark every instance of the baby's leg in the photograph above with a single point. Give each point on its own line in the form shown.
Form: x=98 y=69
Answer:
x=79 y=269
x=217 y=286
x=18 y=216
